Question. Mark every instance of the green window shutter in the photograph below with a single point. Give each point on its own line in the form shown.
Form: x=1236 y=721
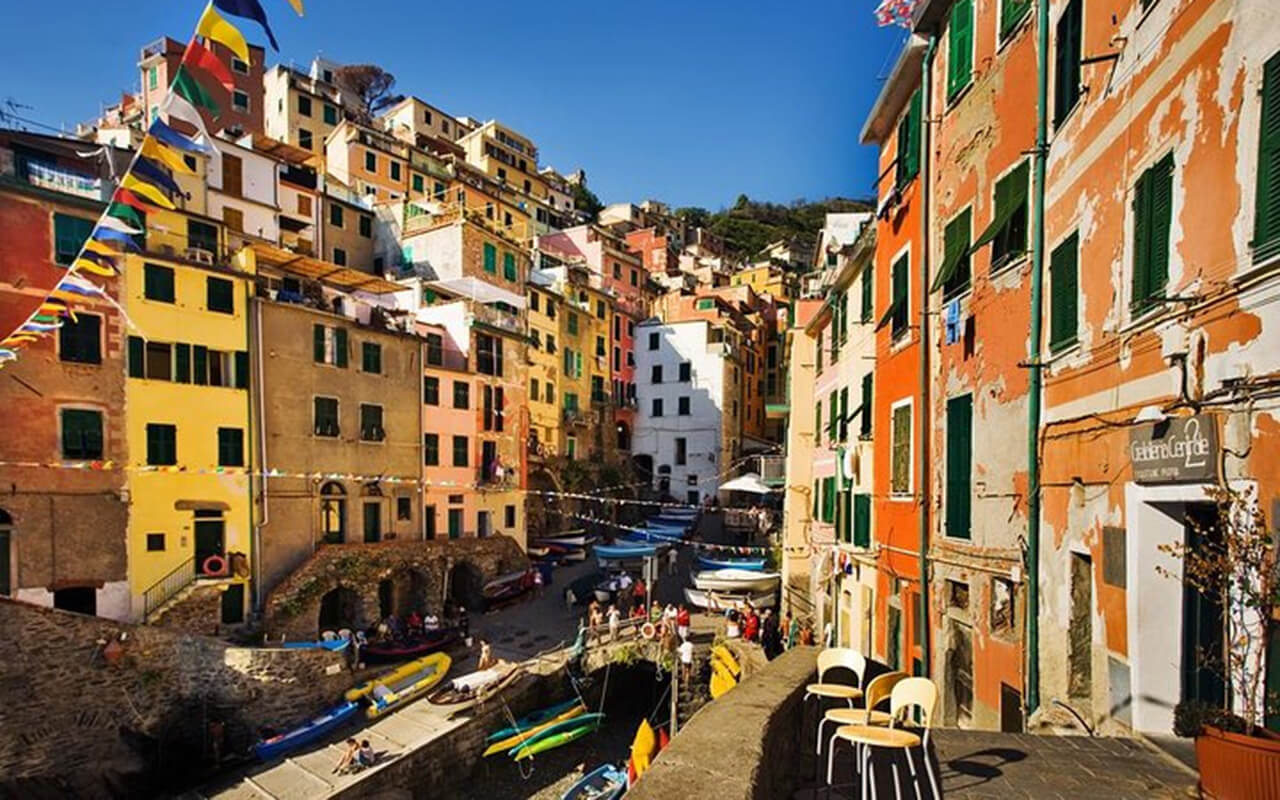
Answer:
x=1153 y=215
x=844 y=515
x=959 y=47
x=953 y=275
x=833 y=413
x=81 y=433
x=137 y=360
x=509 y=266
x=1007 y=232
x=959 y=465
x=844 y=317
x=490 y=258
x=242 y=369
x=900 y=306
x=317 y=341
x=909 y=142
x=844 y=414
x=340 y=347
x=1266 y=225
x=866 y=405
x=868 y=293
x=69 y=235
x=1066 y=61
x=1011 y=13
x=199 y=365
x=1162 y=221
x=417 y=183
x=1063 y=293
x=817 y=424
x=577 y=364
x=829 y=499
x=818 y=362
x=862 y=520
x=182 y=361
x=817 y=498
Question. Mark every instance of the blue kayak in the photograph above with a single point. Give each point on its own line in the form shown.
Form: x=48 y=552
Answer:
x=618 y=552
x=310 y=731
x=753 y=564
x=336 y=645
x=534 y=719
x=605 y=782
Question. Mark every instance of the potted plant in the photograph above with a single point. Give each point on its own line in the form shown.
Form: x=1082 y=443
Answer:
x=1234 y=560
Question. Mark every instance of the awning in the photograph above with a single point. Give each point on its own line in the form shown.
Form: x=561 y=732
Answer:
x=479 y=291
x=345 y=278
x=746 y=483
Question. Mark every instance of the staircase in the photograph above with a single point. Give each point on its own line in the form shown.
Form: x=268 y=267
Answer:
x=695 y=694
x=169 y=590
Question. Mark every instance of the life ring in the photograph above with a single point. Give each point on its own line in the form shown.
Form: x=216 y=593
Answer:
x=214 y=565
x=648 y=630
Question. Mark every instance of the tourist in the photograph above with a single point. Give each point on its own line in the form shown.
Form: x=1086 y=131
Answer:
x=806 y=635
x=638 y=591
x=537 y=583
x=655 y=613
x=673 y=557
x=415 y=622
x=669 y=615
x=751 y=625
x=686 y=660
x=682 y=621
x=793 y=632
x=637 y=611
x=731 y=627
x=614 y=619
x=771 y=638
x=486 y=655
x=349 y=753
x=596 y=620
x=430 y=623
x=366 y=756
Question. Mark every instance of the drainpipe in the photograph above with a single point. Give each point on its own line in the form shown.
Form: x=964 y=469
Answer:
x=1033 y=399
x=926 y=93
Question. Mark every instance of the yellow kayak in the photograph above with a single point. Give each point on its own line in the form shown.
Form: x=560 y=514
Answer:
x=401 y=684
x=720 y=683
x=523 y=736
x=643 y=748
x=724 y=655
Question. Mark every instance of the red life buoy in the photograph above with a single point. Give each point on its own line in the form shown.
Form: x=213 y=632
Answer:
x=648 y=631
x=214 y=565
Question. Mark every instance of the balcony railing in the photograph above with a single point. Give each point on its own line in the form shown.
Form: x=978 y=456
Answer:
x=497 y=318
x=488 y=478
x=574 y=416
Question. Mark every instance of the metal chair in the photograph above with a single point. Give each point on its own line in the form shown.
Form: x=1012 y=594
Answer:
x=829 y=659
x=878 y=691
x=908 y=694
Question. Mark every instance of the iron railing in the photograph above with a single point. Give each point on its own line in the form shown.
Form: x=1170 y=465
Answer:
x=167 y=587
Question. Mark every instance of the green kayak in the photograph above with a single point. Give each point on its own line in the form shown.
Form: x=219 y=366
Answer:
x=552 y=741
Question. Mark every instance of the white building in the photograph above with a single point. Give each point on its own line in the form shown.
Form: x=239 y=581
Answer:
x=680 y=388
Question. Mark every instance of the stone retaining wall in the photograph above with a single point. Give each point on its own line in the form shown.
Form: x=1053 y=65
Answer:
x=754 y=743
x=92 y=707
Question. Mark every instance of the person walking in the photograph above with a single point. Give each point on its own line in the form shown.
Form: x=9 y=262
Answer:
x=614 y=619
x=673 y=558
x=771 y=638
x=686 y=660
x=682 y=621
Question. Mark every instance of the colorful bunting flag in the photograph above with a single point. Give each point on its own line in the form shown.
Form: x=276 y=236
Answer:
x=213 y=26
x=154 y=174
x=148 y=192
x=125 y=240
x=197 y=55
x=129 y=199
x=126 y=212
x=185 y=84
x=169 y=136
x=297 y=6
x=85 y=265
x=896 y=12
x=248 y=9
x=177 y=107
x=155 y=150
x=111 y=223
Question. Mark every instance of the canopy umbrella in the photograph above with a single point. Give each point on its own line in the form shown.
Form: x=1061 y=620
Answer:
x=746 y=483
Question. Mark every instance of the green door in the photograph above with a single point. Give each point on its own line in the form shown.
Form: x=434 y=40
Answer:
x=455 y=523
x=233 y=604
x=210 y=534
x=373 y=522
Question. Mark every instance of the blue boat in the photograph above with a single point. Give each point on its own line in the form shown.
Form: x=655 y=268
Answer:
x=754 y=564
x=619 y=552
x=310 y=731
x=534 y=719
x=336 y=645
x=605 y=782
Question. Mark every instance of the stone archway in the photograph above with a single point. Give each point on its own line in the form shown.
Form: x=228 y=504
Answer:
x=411 y=590
x=340 y=607
x=466 y=586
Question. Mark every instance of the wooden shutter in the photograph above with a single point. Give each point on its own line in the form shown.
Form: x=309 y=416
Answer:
x=1141 y=242
x=960 y=47
x=833 y=413
x=1266 y=233
x=232 y=175
x=817 y=424
x=862 y=520
x=182 y=363
x=1162 y=219
x=1063 y=293
x=340 y=346
x=900 y=306
x=866 y=404
x=242 y=369
x=137 y=357
x=317 y=341
x=490 y=258
x=868 y=293
x=959 y=465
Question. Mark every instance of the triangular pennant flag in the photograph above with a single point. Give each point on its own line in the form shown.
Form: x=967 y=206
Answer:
x=98 y=248
x=185 y=84
x=154 y=174
x=85 y=265
x=197 y=55
x=174 y=139
x=213 y=26
x=297 y=6
x=156 y=150
x=111 y=223
x=178 y=108
x=106 y=235
x=248 y=9
x=132 y=200
x=127 y=213
x=146 y=191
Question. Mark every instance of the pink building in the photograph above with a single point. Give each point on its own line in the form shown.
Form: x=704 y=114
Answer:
x=449 y=435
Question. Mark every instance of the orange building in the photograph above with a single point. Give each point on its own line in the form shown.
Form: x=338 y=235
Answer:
x=368 y=161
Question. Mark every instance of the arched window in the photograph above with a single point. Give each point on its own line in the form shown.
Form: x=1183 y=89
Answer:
x=333 y=512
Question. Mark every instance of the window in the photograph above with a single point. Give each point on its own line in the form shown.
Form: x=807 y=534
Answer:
x=959 y=465
x=240 y=100
x=653 y=341
x=233 y=219
x=490 y=259
x=395 y=170
x=153 y=77
x=817 y=424
x=304 y=139
x=635 y=277
x=533 y=301
x=1011 y=13
x=509 y=516
x=954 y=274
x=900 y=454
x=899 y=309
x=326 y=416
x=304 y=105
x=429 y=522
x=1001 y=605
x=162 y=444
x=862 y=520
x=959 y=48
x=371 y=162
x=366 y=226
x=864 y=429
x=339 y=256
x=329 y=345
x=908 y=143
x=1008 y=230
x=230 y=447
x=202 y=236
x=404 y=510
x=868 y=294
x=686 y=371
x=431 y=449
x=1064 y=282
x=509 y=267
x=600 y=311
x=460 y=451
x=533 y=389
x=80 y=340
x=657 y=406
x=655 y=375
x=818 y=352
x=1266 y=223
x=219 y=295
x=829 y=500
x=631 y=328
x=69 y=235
x=571 y=447
x=682 y=451
x=335 y=215
x=431 y=391
x=573 y=324
x=157 y=283
x=570 y=401
x=1153 y=213
x=81 y=433
x=418 y=184
x=461 y=394
x=159 y=361
x=330 y=115
x=844 y=414
x=551 y=308
x=435 y=349
x=601 y=348
x=155 y=542
x=1066 y=60
x=371 y=357
x=682 y=406
x=371 y=423
x=455 y=523
x=488 y=355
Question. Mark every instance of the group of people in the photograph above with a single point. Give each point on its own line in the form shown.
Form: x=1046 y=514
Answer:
x=775 y=635
x=393 y=628
x=356 y=756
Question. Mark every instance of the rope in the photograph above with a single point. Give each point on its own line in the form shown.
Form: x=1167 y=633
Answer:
x=511 y=718
x=605 y=691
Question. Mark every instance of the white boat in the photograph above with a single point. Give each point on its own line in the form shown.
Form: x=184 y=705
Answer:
x=565 y=539
x=721 y=601
x=736 y=580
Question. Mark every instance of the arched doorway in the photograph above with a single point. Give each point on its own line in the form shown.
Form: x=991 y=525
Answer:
x=411 y=591
x=6 y=535
x=624 y=436
x=333 y=513
x=340 y=608
x=466 y=586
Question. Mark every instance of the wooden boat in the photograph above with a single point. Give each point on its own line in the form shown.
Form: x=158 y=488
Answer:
x=538 y=552
x=621 y=552
x=557 y=735
x=475 y=685
x=643 y=748
x=397 y=687
x=313 y=730
x=533 y=719
x=708 y=562
x=507 y=587
x=605 y=782
x=736 y=580
x=722 y=601
x=576 y=554
x=414 y=647
x=335 y=645
x=573 y=538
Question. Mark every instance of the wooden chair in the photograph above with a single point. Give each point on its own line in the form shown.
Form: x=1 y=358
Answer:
x=909 y=694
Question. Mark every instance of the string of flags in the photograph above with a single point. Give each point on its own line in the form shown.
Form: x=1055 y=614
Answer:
x=147 y=185
x=742 y=550
x=896 y=12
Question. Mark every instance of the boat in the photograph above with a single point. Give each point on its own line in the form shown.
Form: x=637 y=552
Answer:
x=722 y=601
x=508 y=587
x=559 y=734
x=533 y=718
x=621 y=552
x=736 y=580
x=335 y=645
x=643 y=748
x=538 y=552
x=313 y=730
x=576 y=554
x=414 y=647
x=605 y=782
x=664 y=523
x=679 y=513
x=574 y=538
x=395 y=688
x=515 y=739
x=721 y=680
x=474 y=685
x=707 y=562
x=725 y=656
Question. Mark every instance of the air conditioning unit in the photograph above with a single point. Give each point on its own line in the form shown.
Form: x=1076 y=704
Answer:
x=200 y=255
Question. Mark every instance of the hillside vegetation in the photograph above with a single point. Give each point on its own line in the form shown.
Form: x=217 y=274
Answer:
x=750 y=226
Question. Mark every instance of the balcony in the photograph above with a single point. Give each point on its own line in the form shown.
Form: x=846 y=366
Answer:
x=489 y=479
x=573 y=416
x=497 y=318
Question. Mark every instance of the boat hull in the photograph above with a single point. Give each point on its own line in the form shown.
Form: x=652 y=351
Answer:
x=415 y=648
x=754 y=564
x=613 y=552
x=312 y=731
x=518 y=739
x=723 y=601
x=392 y=690
x=556 y=740
x=605 y=782
x=733 y=580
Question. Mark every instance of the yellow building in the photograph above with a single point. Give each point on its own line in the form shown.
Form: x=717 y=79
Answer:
x=767 y=278
x=545 y=307
x=187 y=405
x=585 y=394
x=507 y=156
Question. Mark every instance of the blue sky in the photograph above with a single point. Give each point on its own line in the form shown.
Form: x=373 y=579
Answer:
x=687 y=101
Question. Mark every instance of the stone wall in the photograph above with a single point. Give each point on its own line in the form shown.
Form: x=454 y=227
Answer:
x=754 y=742
x=96 y=708
x=419 y=572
